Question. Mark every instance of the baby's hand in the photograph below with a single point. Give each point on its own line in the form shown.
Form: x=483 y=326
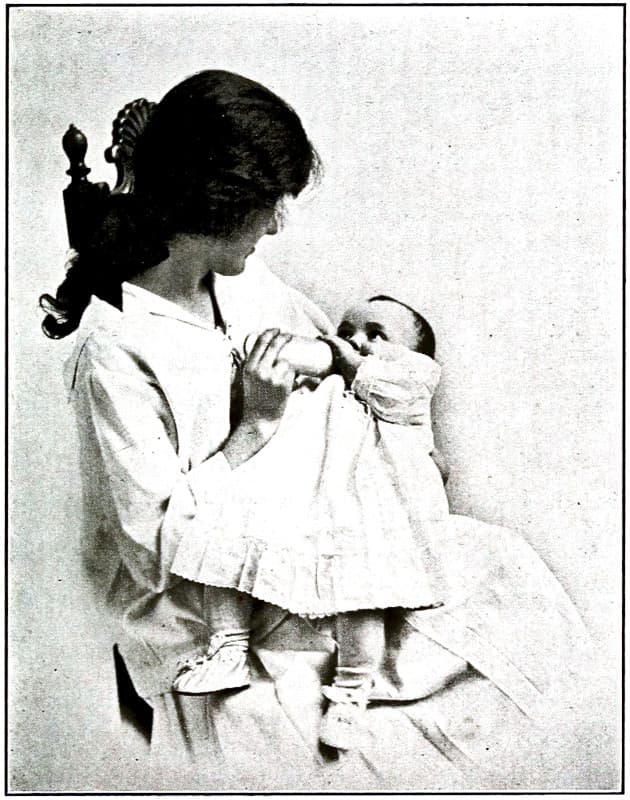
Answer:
x=346 y=360
x=388 y=351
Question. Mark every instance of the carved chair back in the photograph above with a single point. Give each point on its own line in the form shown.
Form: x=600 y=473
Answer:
x=86 y=203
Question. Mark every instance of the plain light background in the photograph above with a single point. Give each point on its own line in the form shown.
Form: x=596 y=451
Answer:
x=472 y=167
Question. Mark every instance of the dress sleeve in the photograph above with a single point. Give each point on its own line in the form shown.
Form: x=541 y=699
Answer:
x=150 y=499
x=313 y=312
x=398 y=388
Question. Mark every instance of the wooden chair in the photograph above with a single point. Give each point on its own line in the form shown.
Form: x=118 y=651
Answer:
x=85 y=202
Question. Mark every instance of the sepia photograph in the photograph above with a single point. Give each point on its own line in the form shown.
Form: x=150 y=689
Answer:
x=315 y=398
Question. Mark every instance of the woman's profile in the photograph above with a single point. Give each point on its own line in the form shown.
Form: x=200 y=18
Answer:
x=159 y=299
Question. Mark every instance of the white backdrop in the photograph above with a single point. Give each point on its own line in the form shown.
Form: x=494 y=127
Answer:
x=472 y=167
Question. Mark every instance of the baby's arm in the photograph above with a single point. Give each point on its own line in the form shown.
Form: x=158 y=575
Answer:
x=397 y=385
x=398 y=391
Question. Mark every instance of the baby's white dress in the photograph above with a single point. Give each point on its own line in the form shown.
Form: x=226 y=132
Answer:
x=344 y=507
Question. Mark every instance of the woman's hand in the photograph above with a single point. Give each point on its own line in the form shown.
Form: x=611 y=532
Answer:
x=267 y=379
x=346 y=360
x=267 y=383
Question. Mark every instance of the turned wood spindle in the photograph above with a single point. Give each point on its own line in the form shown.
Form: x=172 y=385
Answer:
x=85 y=202
x=75 y=147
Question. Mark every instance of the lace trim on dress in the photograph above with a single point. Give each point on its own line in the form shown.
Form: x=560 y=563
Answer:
x=318 y=584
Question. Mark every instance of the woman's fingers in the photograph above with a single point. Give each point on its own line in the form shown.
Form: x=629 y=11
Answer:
x=278 y=371
x=260 y=346
x=282 y=374
x=267 y=378
x=272 y=354
x=265 y=365
x=265 y=354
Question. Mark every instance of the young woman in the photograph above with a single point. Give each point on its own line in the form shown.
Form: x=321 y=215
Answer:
x=151 y=373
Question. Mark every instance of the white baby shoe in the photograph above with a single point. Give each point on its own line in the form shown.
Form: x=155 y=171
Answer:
x=344 y=724
x=223 y=666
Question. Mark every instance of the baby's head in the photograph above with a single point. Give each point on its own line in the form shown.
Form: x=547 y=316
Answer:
x=385 y=319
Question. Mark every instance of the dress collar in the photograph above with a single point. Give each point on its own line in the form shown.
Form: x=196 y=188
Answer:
x=139 y=300
x=137 y=304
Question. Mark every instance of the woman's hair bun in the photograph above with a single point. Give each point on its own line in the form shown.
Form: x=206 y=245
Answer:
x=128 y=241
x=217 y=149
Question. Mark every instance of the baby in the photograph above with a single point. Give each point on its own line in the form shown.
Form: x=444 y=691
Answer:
x=338 y=513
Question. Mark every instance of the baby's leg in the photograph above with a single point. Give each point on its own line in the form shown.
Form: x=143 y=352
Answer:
x=227 y=610
x=361 y=643
x=224 y=664
x=361 y=639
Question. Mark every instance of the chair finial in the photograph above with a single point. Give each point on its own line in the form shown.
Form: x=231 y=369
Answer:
x=74 y=146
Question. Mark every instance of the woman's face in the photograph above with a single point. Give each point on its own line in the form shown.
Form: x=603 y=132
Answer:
x=229 y=255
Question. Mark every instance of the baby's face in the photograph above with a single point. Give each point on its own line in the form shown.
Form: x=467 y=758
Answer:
x=367 y=325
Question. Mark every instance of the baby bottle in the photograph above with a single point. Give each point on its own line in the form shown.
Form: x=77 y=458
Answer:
x=311 y=357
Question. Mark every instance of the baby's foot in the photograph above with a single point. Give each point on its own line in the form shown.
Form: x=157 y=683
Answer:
x=223 y=666
x=344 y=724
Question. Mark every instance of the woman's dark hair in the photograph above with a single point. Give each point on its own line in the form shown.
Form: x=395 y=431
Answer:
x=217 y=150
x=425 y=341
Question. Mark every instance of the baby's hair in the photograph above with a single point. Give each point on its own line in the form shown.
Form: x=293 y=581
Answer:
x=426 y=338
